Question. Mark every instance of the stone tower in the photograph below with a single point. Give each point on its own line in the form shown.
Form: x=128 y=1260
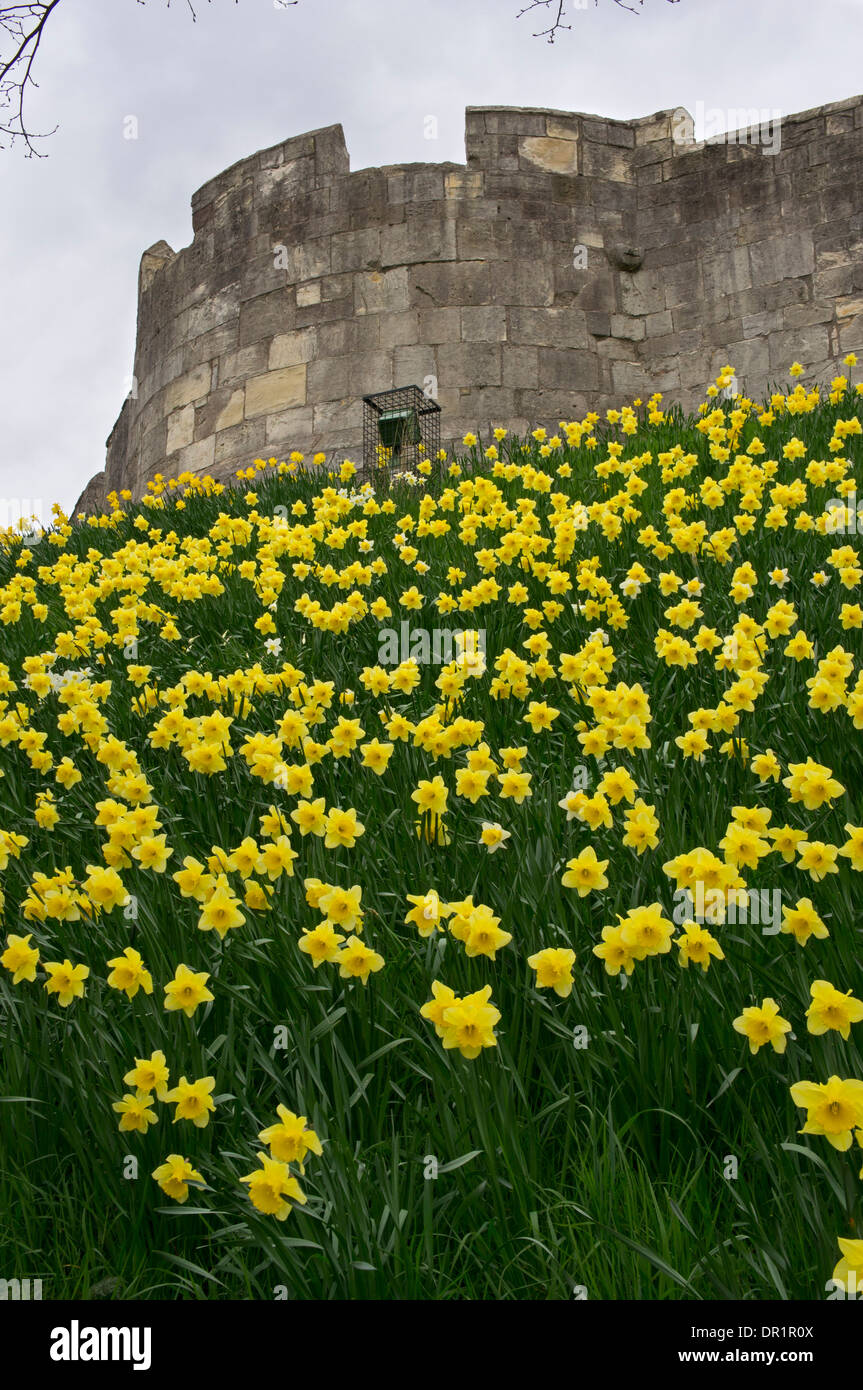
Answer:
x=571 y=263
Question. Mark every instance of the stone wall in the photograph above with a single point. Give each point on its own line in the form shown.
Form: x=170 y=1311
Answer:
x=571 y=263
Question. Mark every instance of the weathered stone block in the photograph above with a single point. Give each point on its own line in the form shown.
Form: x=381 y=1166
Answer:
x=244 y=362
x=352 y=249
x=483 y=324
x=274 y=391
x=606 y=162
x=521 y=282
x=641 y=292
x=265 y=316
x=556 y=155
x=309 y=293
x=329 y=380
x=239 y=445
x=291 y=349
x=549 y=327
x=192 y=386
x=782 y=257
x=800 y=345
x=624 y=326
x=469 y=364
x=572 y=369
x=181 y=428
x=467 y=183
x=377 y=291
x=519 y=366
x=289 y=429
x=449 y=283
x=413 y=364
x=399 y=330
x=198 y=457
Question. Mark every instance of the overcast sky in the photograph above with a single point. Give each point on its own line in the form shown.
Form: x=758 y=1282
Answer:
x=248 y=75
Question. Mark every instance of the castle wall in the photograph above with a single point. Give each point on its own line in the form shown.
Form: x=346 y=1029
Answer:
x=570 y=264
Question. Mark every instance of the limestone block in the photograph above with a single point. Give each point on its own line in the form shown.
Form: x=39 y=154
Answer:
x=309 y=260
x=851 y=335
x=562 y=127
x=309 y=294
x=607 y=162
x=197 y=457
x=757 y=325
x=469 y=364
x=600 y=293
x=419 y=239
x=239 y=446
x=521 y=282
x=659 y=323
x=231 y=413
x=215 y=310
x=335 y=287
x=519 y=366
x=342 y=417
x=505 y=120
x=836 y=280
x=749 y=358
x=562 y=327
x=727 y=271
x=642 y=292
x=558 y=156
x=373 y=372
x=207 y=348
x=623 y=326
x=439 y=325
x=341 y=336
x=353 y=249
x=287 y=429
x=274 y=391
x=463 y=183
x=151 y=450
x=328 y=380
x=803 y=345
x=242 y=363
x=782 y=257
x=192 y=386
x=152 y=261
x=399 y=330
x=485 y=323
x=266 y=315
x=802 y=315
x=630 y=379
x=365 y=333
x=849 y=308
x=292 y=349
x=568 y=368
x=181 y=428
x=379 y=291
x=413 y=364
x=448 y=283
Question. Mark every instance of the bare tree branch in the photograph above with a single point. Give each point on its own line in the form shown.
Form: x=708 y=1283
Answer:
x=21 y=30
x=557 y=23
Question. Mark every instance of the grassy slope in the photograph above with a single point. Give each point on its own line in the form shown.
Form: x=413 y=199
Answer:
x=599 y=1167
